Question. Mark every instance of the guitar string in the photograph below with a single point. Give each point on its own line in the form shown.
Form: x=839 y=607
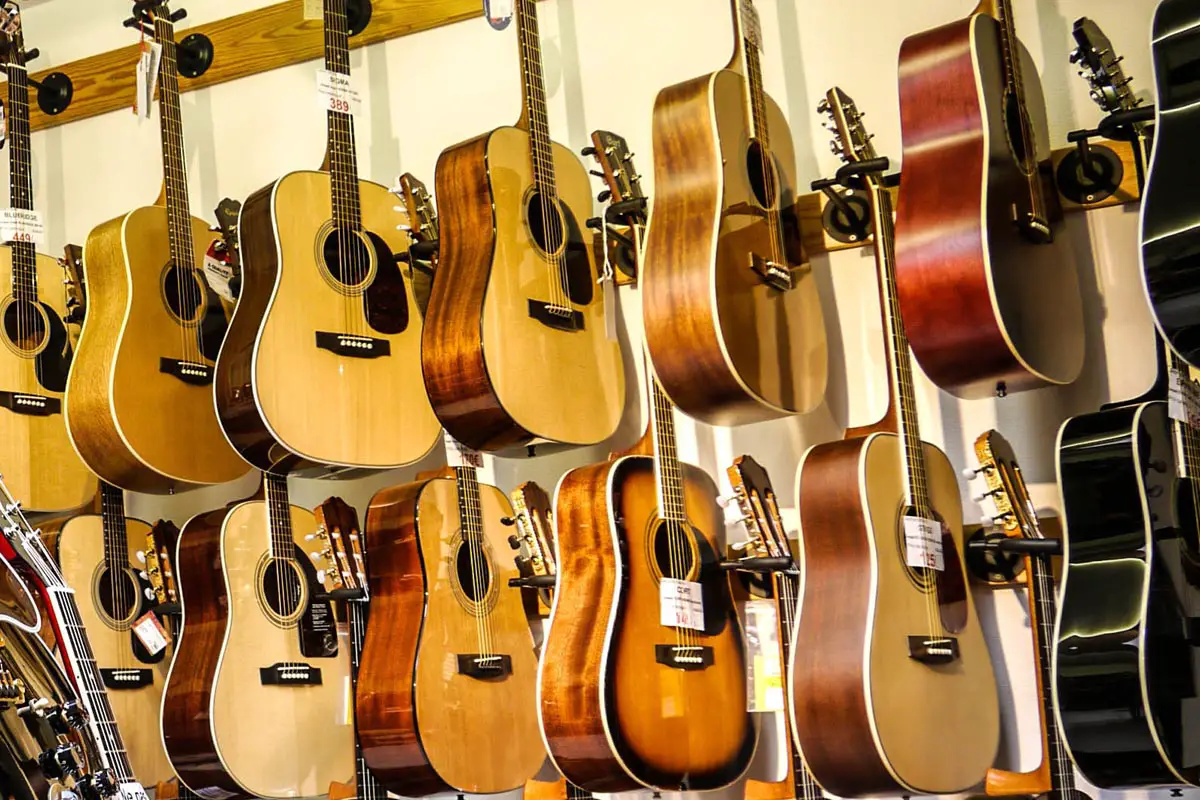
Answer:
x=664 y=441
x=761 y=132
x=24 y=258
x=473 y=601
x=336 y=143
x=1012 y=62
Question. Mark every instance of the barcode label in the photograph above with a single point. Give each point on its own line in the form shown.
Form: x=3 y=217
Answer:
x=923 y=543
x=681 y=604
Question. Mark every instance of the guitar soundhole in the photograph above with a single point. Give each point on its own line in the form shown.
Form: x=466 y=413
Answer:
x=347 y=258
x=283 y=588
x=761 y=171
x=119 y=595
x=474 y=572
x=547 y=224
x=184 y=293
x=674 y=553
x=1012 y=129
x=24 y=325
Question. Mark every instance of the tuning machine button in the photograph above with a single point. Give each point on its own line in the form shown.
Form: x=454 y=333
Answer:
x=514 y=542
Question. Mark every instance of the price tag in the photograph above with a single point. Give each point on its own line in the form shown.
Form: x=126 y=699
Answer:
x=336 y=92
x=3 y=124
x=22 y=225
x=459 y=455
x=1183 y=398
x=314 y=9
x=133 y=791
x=147 y=79
x=151 y=633
x=218 y=274
x=499 y=13
x=751 y=26
x=923 y=543
x=680 y=604
x=765 y=684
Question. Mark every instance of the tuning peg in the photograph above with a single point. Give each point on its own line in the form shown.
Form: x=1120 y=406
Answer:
x=970 y=473
x=514 y=542
x=508 y=521
x=596 y=172
x=148 y=592
x=143 y=575
x=1076 y=55
x=604 y=196
x=823 y=106
x=588 y=151
x=725 y=500
x=30 y=55
x=181 y=14
x=836 y=147
x=141 y=556
x=320 y=576
x=979 y=498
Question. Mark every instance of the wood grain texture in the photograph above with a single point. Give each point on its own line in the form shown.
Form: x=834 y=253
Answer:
x=244 y=44
x=674 y=729
x=36 y=457
x=135 y=426
x=570 y=684
x=1018 y=317
x=727 y=348
x=320 y=408
x=559 y=386
x=186 y=724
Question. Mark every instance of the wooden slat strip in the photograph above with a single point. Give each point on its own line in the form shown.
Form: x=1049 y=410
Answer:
x=245 y=44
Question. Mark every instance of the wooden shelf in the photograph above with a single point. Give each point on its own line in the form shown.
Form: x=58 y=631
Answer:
x=245 y=44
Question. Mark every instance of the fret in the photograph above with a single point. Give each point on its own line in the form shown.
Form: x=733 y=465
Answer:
x=343 y=160
x=669 y=472
x=112 y=517
x=179 y=216
x=533 y=81
x=279 y=517
x=20 y=160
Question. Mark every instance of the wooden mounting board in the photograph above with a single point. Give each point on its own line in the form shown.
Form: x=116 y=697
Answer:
x=245 y=44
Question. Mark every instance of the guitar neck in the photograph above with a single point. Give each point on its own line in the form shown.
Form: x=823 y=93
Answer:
x=534 y=115
x=112 y=516
x=1187 y=441
x=279 y=517
x=668 y=471
x=368 y=788
x=748 y=46
x=343 y=158
x=1043 y=606
x=179 y=215
x=787 y=597
x=24 y=255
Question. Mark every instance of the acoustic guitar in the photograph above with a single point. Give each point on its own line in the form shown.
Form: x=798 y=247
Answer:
x=139 y=397
x=446 y=694
x=257 y=636
x=892 y=686
x=35 y=451
x=98 y=557
x=425 y=232
x=515 y=349
x=733 y=322
x=321 y=370
x=982 y=242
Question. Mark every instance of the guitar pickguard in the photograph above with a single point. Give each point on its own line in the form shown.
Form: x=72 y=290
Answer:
x=54 y=362
x=385 y=302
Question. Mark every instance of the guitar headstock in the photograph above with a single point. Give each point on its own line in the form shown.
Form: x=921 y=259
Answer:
x=12 y=37
x=159 y=561
x=1100 y=66
x=611 y=152
x=418 y=202
x=851 y=141
x=72 y=264
x=1015 y=511
x=341 y=565
x=227 y=213
x=760 y=512
x=533 y=519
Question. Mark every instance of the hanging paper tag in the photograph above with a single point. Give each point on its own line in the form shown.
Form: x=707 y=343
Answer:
x=459 y=455
x=147 y=79
x=22 y=225
x=1183 y=398
x=765 y=684
x=499 y=13
x=751 y=27
x=314 y=9
x=3 y=124
x=336 y=92
x=151 y=633
x=133 y=791
x=680 y=604
x=218 y=274
x=923 y=543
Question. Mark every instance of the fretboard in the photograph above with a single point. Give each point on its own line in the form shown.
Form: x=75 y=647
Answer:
x=112 y=517
x=535 y=98
x=77 y=655
x=1042 y=598
x=179 y=216
x=668 y=472
x=754 y=84
x=787 y=596
x=24 y=256
x=367 y=787
x=470 y=514
x=343 y=160
x=1186 y=438
x=279 y=516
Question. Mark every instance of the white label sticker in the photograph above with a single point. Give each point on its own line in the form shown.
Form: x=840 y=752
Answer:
x=923 y=543
x=218 y=274
x=336 y=92
x=213 y=793
x=751 y=27
x=680 y=604
x=3 y=124
x=459 y=455
x=1183 y=398
x=314 y=9
x=22 y=225
x=765 y=684
x=147 y=79
x=498 y=12
x=133 y=791
x=151 y=633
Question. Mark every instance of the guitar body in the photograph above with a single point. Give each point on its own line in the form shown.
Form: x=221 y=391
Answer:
x=312 y=732
x=109 y=605
x=1125 y=684
x=727 y=348
x=1018 y=318
x=1170 y=219
x=869 y=718
x=606 y=700
x=424 y=725
x=133 y=424
x=287 y=402
x=187 y=731
x=35 y=450
x=498 y=377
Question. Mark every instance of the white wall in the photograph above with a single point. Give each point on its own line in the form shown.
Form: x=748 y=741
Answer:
x=606 y=60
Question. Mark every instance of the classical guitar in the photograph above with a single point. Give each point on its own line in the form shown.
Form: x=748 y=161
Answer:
x=258 y=636
x=759 y=508
x=981 y=243
x=139 y=402
x=1170 y=220
x=22 y=546
x=643 y=639
x=515 y=349
x=35 y=451
x=533 y=522
x=909 y=702
x=322 y=366
x=425 y=232
x=733 y=322
x=98 y=557
x=447 y=704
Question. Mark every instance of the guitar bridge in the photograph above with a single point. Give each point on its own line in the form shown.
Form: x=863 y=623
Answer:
x=686 y=657
x=117 y=679
x=773 y=274
x=1033 y=227
x=190 y=372
x=933 y=649
x=556 y=316
x=353 y=345
x=290 y=673
x=484 y=668
x=33 y=405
